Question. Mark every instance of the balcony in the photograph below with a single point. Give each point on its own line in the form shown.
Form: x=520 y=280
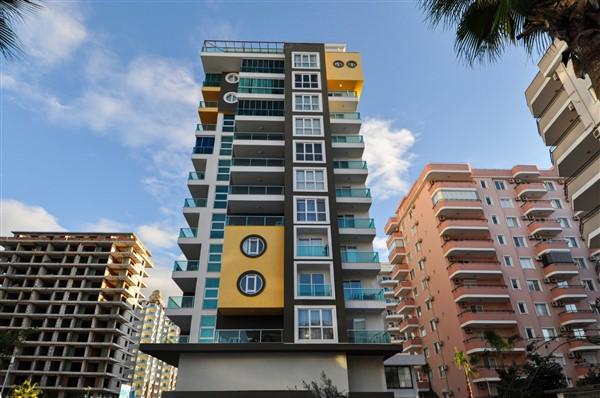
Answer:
x=248 y=47
x=573 y=150
x=244 y=336
x=391 y=225
x=464 y=229
x=525 y=172
x=368 y=336
x=188 y=233
x=494 y=318
x=207 y=110
x=469 y=249
x=537 y=208
x=179 y=302
x=353 y=199
x=541 y=91
x=399 y=272
x=388 y=292
x=259 y=115
x=584 y=187
x=184 y=275
x=364 y=299
x=557 y=118
x=485 y=375
x=408 y=345
x=195 y=176
x=360 y=261
x=408 y=324
x=547 y=246
x=312 y=251
x=544 y=228
x=481 y=292
x=447 y=172
x=350 y=171
x=532 y=190
x=436 y=185
x=582 y=369
x=406 y=304
x=560 y=270
x=390 y=304
x=194 y=202
x=313 y=290
x=248 y=199
x=342 y=101
x=479 y=345
x=470 y=270
x=203 y=128
x=356 y=229
x=449 y=208
x=268 y=145
x=397 y=251
x=568 y=293
x=218 y=56
x=403 y=288
x=257 y=171
x=255 y=220
x=582 y=344
x=347 y=146
x=188 y=242
x=345 y=122
x=186 y=266
x=577 y=318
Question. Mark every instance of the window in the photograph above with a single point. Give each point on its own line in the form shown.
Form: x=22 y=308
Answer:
x=308 y=126
x=454 y=194
x=215 y=252
x=221 y=197
x=571 y=241
x=413 y=229
x=507 y=261
x=307 y=102
x=580 y=262
x=310 y=180
x=515 y=284
x=526 y=262
x=251 y=283
x=418 y=247
x=316 y=324
x=549 y=186
x=519 y=241
x=422 y=331
x=570 y=308
x=529 y=333
x=488 y=201
x=522 y=307
x=211 y=293
x=307 y=80
x=426 y=352
x=306 y=60
x=412 y=274
x=483 y=184
x=500 y=186
x=419 y=312
x=442 y=371
x=230 y=97
x=512 y=222
x=207 y=328
x=397 y=377
x=548 y=333
x=261 y=86
x=534 y=285
x=437 y=347
x=309 y=151
x=433 y=325
x=579 y=333
x=495 y=219
x=421 y=264
x=311 y=210
x=588 y=284
x=253 y=246
x=217 y=226
x=506 y=203
x=232 y=78
x=564 y=222
x=541 y=309
x=429 y=304
x=556 y=203
x=501 y=240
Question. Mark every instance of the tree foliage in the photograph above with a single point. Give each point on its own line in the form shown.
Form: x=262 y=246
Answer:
x=323 y=388
x=9 y=339
x=26 y=390
x=13 y=12
x=538 y=374
x=592 y=377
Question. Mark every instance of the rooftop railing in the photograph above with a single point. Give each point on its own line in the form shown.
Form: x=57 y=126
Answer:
x=234 y=46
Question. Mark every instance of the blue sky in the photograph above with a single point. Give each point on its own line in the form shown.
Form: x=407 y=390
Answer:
x=98 y=119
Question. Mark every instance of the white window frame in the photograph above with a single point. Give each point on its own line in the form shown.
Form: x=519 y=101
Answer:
x=294 y=123
x=566 y=222
x=551 y=337
x=312 y=307
x=327 y=217
x=256 y=277
x=580 y=264
x=510 y=263
x=309 y=142
x=500 y=183
x=311 y=94
x=518 y=283
x=301 y=53
x=556 y=203
x=571 y=239
x=314 y=169
x=532 y=332
x=530 y=260
x=549 y=185
x=541 y=303
x=501 y=239
x=585 y=285
x=495 y=218
x=510 y=201
x=316 y=264
x=524 y=304
x=488 y=198
x=538 y=283
x=523 y=238
x=515 y=219
x=483 y=184
x=296 y=73
x=258 y=239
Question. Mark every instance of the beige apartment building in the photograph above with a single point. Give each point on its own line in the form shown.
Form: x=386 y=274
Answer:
x=482 y=249
x=568 y=116
x=151 y=376
x=76 y=294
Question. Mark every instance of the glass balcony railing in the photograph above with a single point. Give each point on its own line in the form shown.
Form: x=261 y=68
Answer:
x=356 y=223
x=180 y=302
x=349 y=94
x=360 y=257
x=255 y=220
x=188 y=232
x=194 y=202
x=345 y=115
x=212 y=80
x=347 y=139
x=368 y=336
x=255 y=190
x=206 y=127
x=233 y=46
x=350 y=164
x=353 y=192
x=259 y=112
x=203 y=150
x=259 y=162
x=259 y=136
x=208 y=104
x=312 y=251
x=313 y=290
x=196 y=175
x=237 y=336
x=186 y=266
x=363 y=294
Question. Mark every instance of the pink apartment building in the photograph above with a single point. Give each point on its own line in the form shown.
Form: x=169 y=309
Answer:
x=476 y=249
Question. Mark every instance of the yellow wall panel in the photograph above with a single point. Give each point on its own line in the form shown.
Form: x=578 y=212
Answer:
x=344 y=78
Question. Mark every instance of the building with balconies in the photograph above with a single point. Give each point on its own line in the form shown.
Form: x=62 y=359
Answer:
x=280 y=281
x=568 y=117
x=515 y=263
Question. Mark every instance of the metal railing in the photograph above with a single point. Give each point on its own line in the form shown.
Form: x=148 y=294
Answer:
x=259 y=136
x=261 y=162
x=237 y=336
x=345 y=115
x=188 y=232
x=206 y=127
x=350 y=94
x=196 y=175
x=368 y=336
x=313 y=290
x=353 y=192
x=180 y=302
x=194 y=202
x=235 y=46
x=347 y=139
x=255 y=190
x=312 y=251
x=356 y=223
x=255 y=220
x=350 y=164
x=363 y=294
x=259 y=112
x=186 y=266
x=359 y=257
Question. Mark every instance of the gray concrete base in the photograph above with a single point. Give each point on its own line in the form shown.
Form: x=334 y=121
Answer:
x=264 y=394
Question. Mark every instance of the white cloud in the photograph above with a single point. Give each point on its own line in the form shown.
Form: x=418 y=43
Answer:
x=160 y=278
x=379 y=243
x=18 y=216
x=388 y=157
x=154 y=235
x=105 y=225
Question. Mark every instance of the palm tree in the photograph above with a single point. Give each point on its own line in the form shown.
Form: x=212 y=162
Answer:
x=12 y=12
x=499 y=344
x=463 y=363
x=485 y=28
x=26 y=390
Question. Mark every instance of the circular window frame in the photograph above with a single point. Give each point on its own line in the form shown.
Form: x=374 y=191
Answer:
x=251 y=272
x=338 y=63
x=351 y=64
x=253 y=255
x=232 y=78
x=230 y=93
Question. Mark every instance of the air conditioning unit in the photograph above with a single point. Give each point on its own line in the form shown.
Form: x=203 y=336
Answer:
x=442 y=218
x=446 y=237
x=571 y=106
x=427 y=278
x=575 y=218
x=596 y=134
x=524 y=218
x=518 y=181
x=430 y=298
x=560 y=180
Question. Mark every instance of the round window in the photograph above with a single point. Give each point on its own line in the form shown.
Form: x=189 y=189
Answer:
x=338 y=63
x=351 y=64
x=253 y=246
x=230 y=97
x=232 y=78
x=251 y=283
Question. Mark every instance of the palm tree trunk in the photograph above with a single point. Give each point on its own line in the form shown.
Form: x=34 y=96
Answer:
x=469 y=387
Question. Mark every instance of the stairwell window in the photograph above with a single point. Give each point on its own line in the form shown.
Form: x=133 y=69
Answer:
x=306 y=60
x=308 y=126
x=304 y=80
x=310 y=180
x=307 y=102
x=309 y=151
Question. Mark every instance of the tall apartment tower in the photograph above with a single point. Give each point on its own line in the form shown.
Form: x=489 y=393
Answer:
x=152 y=376
x=481 y=249
x=568 y=115
x=75 y=294
x=280 y=282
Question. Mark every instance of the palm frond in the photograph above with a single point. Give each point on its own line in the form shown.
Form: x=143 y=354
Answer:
x=445 y=12
x=11 y=13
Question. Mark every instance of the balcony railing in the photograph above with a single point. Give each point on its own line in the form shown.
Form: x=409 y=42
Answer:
x=188 y=232
x=363 y=294
x=255 y=190
x=368 y=336
x=181 y=302
x=233 y=46
x=347 y=139
x=186 y=266
x=356 y=223
x=195 y=175
x=208 y=104
x=349 y=94
x=359 y=257
x=353 y=192
x=259 y=136
x=194 y=202
x=258 y=162
x=255 y=220
x=314 y=290
x=350 y=164
x=237 y=336
x=206 y=127
x=312 y=251
x=345 y=115
x=259 y=112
